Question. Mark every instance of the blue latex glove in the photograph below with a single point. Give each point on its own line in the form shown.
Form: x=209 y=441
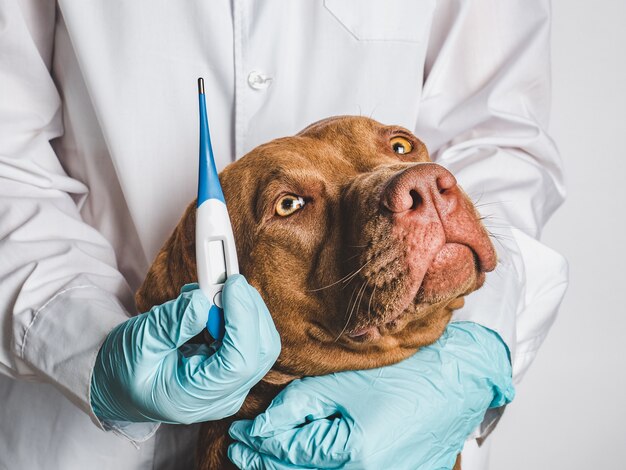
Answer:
x=142 y=375
x=414 y=414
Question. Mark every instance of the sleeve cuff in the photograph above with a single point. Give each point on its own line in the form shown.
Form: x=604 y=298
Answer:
x=61 y=344
x=547 y=276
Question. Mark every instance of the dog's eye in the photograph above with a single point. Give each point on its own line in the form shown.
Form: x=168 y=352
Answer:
x=401 y=145
x=289 y=204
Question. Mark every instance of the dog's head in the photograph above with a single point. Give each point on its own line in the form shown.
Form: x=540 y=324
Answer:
x=359 y=244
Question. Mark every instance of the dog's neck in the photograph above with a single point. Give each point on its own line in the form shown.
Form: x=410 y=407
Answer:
x=275 y=377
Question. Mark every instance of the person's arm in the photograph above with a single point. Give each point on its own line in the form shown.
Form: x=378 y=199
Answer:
x=61 y=291
x=64 y=305
x=484 y=115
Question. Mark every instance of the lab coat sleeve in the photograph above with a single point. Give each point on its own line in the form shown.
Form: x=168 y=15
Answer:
x=483 y=115
x=60 y=290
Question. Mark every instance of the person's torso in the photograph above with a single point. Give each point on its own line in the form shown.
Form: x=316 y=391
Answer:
x=127 y=73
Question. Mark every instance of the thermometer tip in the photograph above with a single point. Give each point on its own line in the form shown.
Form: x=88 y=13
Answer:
x=201 y=86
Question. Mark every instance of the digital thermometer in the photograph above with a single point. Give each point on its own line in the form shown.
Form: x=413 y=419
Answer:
x=216 y=254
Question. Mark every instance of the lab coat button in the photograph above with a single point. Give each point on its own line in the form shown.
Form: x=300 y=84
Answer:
x=259 y=81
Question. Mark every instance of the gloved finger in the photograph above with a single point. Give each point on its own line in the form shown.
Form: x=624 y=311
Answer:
x=236 y=364
x=322 y=443
x=268 y=335
x=266 y=348
x=503 y=394
x=189 y=287
x=245 y=457
x=292 y=408
x=171 y=324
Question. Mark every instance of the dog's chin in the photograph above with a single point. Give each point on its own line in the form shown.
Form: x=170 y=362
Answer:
x=455 y=270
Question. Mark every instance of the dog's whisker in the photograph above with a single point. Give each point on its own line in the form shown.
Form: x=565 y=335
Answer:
x=353 y=256
x=493 y=217
x=348 y=308
x=373 y=111
x=347 y=281
x=475 y=201
x=492 y=203
x=351 y=309
x=485 y=216
x=348 y=277
x=369 y=304
x=497 y=239
x=498 y=273
x=499 y=236
x=490 y=222
x=476 y=198
x=362 y=292
x=496 y=226
x=497 y=217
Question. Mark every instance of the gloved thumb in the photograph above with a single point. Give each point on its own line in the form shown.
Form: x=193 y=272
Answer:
x=169 y=325
x=292 y=408
x=313 y=443
x=245 y=457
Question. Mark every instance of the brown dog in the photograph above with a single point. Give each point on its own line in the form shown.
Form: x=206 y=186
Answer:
x=360 y=246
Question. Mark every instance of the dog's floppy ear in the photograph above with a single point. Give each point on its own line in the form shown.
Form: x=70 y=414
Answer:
x=174 y=266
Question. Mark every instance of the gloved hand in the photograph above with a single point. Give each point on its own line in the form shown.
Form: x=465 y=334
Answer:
x=414 y=414
x=141 y=374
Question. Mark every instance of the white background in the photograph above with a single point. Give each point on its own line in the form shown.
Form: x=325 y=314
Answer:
x=570 y=412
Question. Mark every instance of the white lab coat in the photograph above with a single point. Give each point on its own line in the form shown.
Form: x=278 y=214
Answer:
x=98 y=159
